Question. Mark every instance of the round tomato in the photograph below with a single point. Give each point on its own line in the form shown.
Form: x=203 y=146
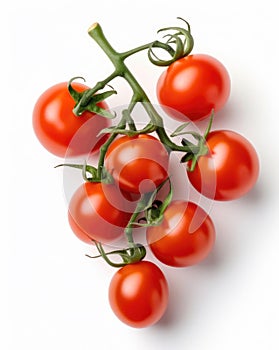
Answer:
x=229 y=170
x=59 y=130
x=138 y=294
x=139 y=164
x=192 y=86
x=98 y=212
x=185 y=236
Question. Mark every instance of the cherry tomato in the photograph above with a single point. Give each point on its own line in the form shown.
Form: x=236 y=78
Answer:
x=139 y=163
x=59 y=130
x=229 y=170
x=192 y=86
x=138 y=294
x=98 y=212
x=185 y=236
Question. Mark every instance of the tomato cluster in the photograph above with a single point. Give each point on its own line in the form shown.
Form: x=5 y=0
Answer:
x=122 y=192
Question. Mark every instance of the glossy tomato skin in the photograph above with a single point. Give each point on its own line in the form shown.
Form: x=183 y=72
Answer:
x=98 y=212
x=185 y=237
x=229 y=170
x=138 y=164
x=138 y=294
x=192 y=86
x=59 y=130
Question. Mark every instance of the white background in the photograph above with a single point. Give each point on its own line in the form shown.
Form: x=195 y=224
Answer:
x=57 y=296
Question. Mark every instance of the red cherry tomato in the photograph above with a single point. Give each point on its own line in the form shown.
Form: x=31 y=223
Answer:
x=185 y=236
x=138 y=294
x=139 y=163
x=98 y=212
x=229 y=170
x=192 y=86
x=59 y=130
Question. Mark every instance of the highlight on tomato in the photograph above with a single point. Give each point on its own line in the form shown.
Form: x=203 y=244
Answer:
x=55 y=124
x=192 y=86
x=99 y=212
x=185 y=236
x=138 y=164
x=232 y=164
x=138 y=294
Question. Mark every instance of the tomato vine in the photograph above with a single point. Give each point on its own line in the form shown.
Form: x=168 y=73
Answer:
x=183 y=42
x=88 y=100
x=156 y=123
x=111 y=202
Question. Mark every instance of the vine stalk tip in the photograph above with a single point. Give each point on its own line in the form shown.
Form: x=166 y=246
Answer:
x=93 y=26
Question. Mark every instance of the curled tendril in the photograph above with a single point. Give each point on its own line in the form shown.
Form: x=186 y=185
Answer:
x=181 y=39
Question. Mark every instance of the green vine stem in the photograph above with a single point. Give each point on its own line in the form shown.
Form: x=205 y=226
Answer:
x=139 y=96
x=183 y=46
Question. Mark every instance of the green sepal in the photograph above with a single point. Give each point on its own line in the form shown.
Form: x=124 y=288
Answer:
x=88 y=100
x=85 y=169
x=202 y=148
x=178 y=53
x=187 y=157
x=209 y=125
x=107 y=178
x=74 y=93
x=193 y=163
x=182 y=40
x=179 y=129
x=128 y=255
x=187 y=143
x=154 y=209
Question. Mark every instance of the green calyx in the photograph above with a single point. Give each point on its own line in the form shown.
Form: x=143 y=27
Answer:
x=154 y=208
x=89 y=100
x=127 y=256
x=196 y=151
x=90 y=173
x=182 y=41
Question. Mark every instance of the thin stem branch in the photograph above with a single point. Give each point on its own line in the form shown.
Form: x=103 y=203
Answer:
x=153 y=44
x=105 y=146
x=129 y=228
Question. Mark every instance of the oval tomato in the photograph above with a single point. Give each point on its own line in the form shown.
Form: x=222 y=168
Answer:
x=138 y=294
x=192 y=86
x=59 y=130
x=229 y=170
x=185 y=236
x=98 y=212
x=139 y=164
